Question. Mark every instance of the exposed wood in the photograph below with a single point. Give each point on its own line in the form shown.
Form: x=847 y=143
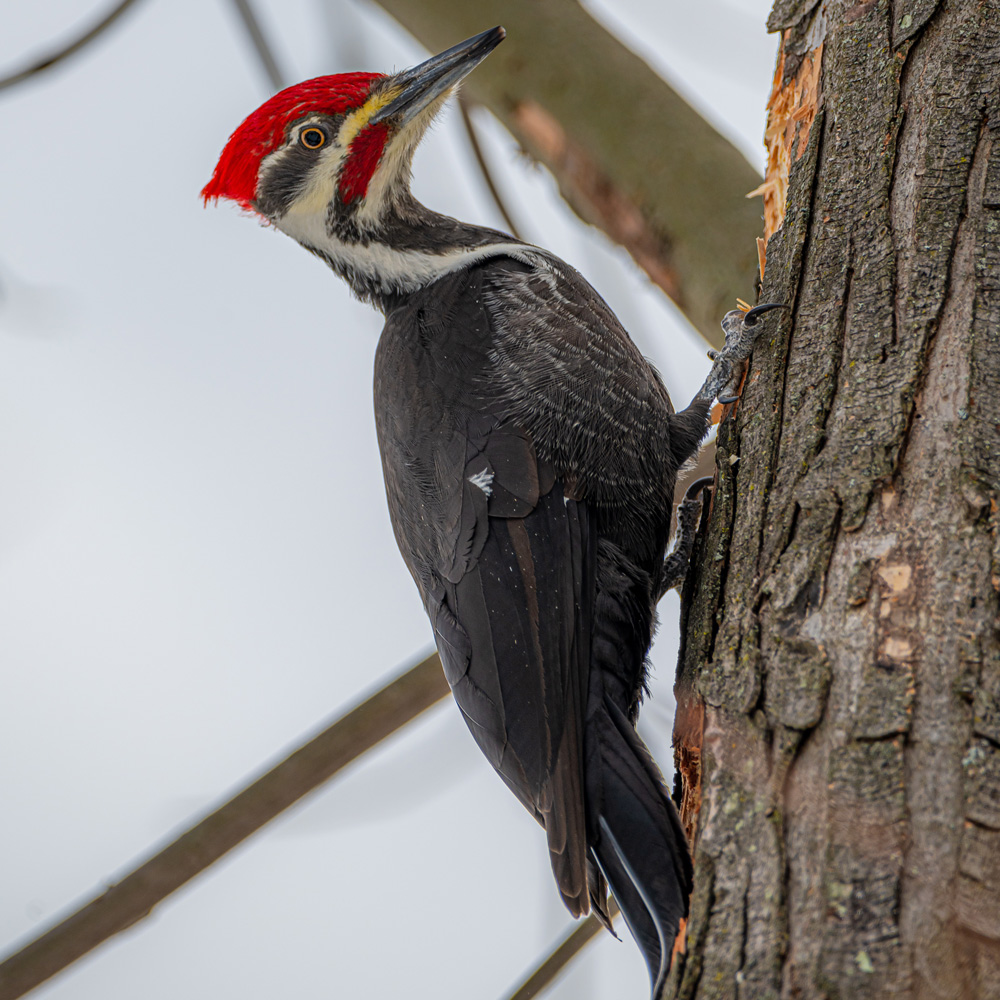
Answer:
x=134 y=897
x=843 y=624
x=791 y=110
x=629 y=154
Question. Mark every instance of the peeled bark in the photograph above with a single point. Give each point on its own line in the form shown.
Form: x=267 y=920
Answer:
x=838 y=729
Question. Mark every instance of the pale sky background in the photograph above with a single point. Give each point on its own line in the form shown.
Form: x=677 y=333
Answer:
x=196 y=563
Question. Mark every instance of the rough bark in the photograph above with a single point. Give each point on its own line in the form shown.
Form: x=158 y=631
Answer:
x=839 y=723
x=629 y=154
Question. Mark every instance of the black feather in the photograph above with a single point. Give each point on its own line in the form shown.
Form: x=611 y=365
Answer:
x=530 y=456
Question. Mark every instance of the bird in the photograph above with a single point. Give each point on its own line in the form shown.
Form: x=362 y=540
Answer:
x=530 y=455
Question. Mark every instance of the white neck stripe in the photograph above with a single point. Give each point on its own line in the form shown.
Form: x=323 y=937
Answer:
x=390 y=271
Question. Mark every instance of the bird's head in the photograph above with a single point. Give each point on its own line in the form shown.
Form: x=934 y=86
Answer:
x=335 y=152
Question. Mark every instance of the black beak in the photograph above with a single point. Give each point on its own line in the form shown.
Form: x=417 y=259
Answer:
x=423 y=84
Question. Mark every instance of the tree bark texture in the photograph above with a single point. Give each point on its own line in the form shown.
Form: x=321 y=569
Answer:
x=838 y=730
x=630 y=155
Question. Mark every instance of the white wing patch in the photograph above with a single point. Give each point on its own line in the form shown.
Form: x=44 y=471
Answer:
x=484 y=480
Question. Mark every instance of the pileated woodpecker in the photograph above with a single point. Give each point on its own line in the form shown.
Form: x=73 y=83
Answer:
x=530 y=454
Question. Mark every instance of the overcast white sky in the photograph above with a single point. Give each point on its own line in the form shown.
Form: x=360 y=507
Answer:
x=196 y=564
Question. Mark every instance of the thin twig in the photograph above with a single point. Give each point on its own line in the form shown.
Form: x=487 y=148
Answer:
x=561 y=956
x=88 y=36
x=484 y=168
x=260 y=43
x=133 y=897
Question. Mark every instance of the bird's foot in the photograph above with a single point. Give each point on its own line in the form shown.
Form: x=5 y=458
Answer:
x=675 y=566
x=741 y=329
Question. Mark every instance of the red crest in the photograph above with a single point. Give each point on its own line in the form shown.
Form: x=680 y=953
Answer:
x=235 y=175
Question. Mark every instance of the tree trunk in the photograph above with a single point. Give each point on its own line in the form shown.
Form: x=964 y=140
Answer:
x=838 y=729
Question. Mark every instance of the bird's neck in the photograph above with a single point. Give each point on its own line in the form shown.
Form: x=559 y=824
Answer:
x=401 y=250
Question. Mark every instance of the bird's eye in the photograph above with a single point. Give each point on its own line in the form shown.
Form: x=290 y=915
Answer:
x=312 y=138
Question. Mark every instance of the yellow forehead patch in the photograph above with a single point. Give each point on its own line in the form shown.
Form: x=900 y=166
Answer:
x=357 y=120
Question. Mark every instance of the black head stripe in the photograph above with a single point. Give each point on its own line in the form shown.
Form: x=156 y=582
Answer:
x=287 y=175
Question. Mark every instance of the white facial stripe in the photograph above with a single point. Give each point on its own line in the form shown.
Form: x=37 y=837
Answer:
x=395 y=162
x=395 y=270
x=320 y=183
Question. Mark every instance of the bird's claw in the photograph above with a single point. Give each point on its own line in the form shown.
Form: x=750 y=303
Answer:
x=750 y=317
x=741 y=330
x=675 y=566
x=693 y=493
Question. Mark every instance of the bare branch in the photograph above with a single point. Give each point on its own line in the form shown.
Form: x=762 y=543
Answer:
x=56 y=57
x=260 y=43
x=561 y=956
x=484 y=168
x=134 y=897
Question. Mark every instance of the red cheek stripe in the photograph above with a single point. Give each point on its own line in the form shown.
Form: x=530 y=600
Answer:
x=264 y=131
x=365 y=153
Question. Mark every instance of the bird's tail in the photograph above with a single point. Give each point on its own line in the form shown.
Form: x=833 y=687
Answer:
x=637 y=840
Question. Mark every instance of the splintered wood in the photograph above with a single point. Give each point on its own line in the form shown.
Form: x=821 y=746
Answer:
x=791 y=110
x=689 y=731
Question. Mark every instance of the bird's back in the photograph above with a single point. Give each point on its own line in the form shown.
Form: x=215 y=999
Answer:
x=533 y=345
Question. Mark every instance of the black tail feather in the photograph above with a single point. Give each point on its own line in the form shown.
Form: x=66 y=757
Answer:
x=639 y=843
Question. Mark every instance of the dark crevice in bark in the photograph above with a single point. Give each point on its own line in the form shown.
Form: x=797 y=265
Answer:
x=685 y=977
x=899 y=123
x=946 y=296
x=783 y=540
x=834 y=531
x=838 y=365
x=741 y=957
x=889 y=736
x=814 y=154
x=985 y=737
x=856 y=651
x=725 y=491
x=983 y=825
x=911 y=18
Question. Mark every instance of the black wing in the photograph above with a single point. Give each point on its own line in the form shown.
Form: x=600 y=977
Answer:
x=500 y=554
x=526 y=444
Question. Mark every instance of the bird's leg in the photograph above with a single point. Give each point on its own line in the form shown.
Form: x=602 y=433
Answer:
x=675 y=566
x=741 y=329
